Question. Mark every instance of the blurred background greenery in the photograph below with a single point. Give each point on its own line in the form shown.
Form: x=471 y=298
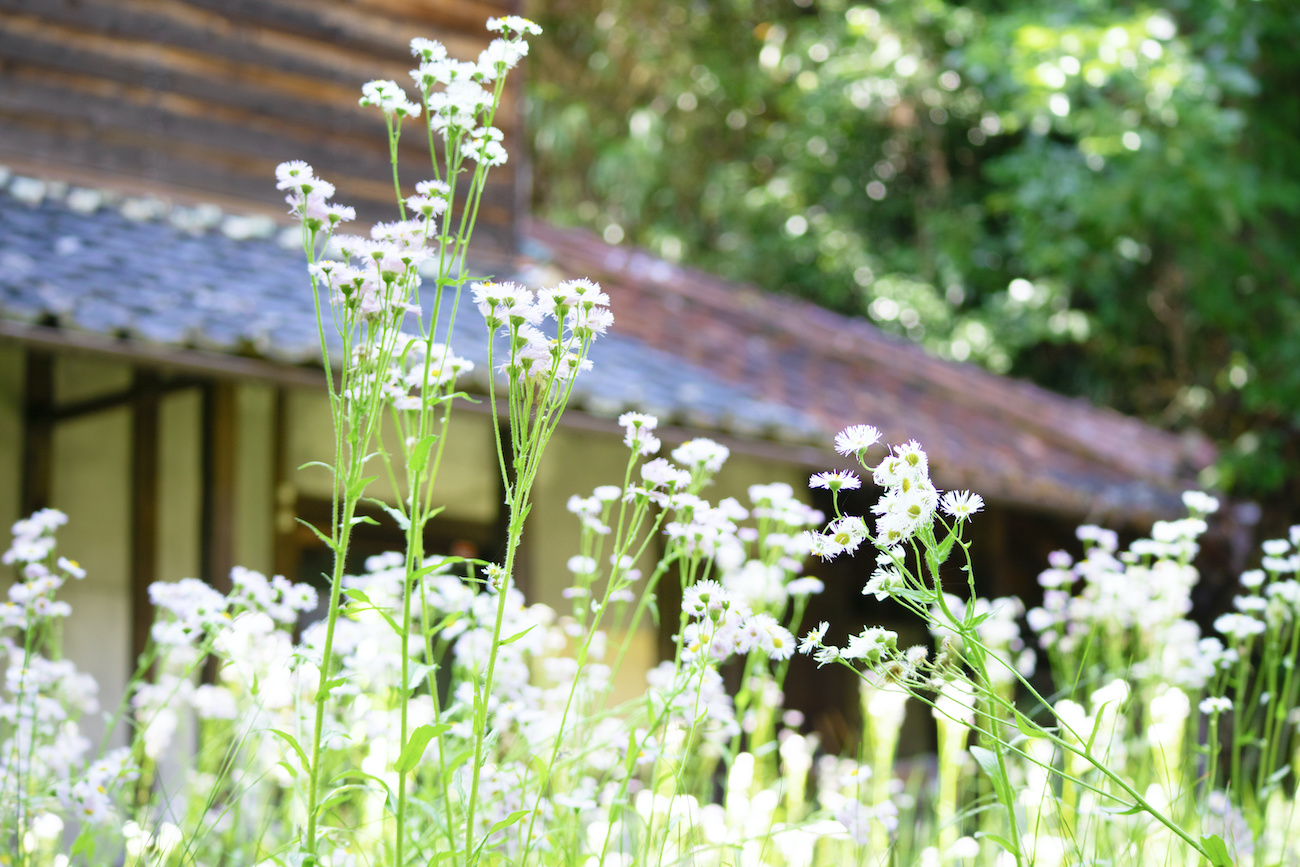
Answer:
x=1099 y=196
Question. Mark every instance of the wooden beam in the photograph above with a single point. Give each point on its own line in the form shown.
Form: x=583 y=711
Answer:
x=147 y=386
x=38 y=430
x=46 y=340
x=217 y=510
x=144 y=506
x=240 y=369
x=350 y=25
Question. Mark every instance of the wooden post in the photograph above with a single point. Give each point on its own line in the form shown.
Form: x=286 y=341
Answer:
x=144 y=507
x=217 y=514
x=38 y=431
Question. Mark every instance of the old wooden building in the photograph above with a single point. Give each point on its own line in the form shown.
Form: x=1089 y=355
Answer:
x=159 y=377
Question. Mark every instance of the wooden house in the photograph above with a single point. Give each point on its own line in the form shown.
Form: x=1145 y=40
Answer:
x=159 y=376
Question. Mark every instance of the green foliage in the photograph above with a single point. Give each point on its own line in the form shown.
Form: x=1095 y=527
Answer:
x=1099 y=196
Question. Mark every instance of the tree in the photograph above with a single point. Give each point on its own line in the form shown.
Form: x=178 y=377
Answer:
x=1099 y=196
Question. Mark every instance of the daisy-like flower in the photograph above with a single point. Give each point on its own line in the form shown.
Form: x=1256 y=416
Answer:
x=961 y=504
x=870 y=644
x=428 y=49
x=823 y=546
x=704 y=595
x=389 y=98
x=661 y=474
x=839 y=480
x=702 y=454
x=1215 y=705
x=856 y=439
x=813 y=639
x=513 y=24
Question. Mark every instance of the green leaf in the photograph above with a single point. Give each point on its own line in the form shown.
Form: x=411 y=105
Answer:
x=339 y=795
x=403 y=522
x=357 y=488
x=364 y=519
x=1001 y=841
x=419 y=673
x=518 y=635
x=446 y=621
x=510 y=820
x=288 y=767
x=420 y=455
x=358 y=595
x=414 y=749
x=944 y=548
x=329 y=543
x=1027 y=727
x=1217 y=850
x=987 y=760
x=317 y=464
x=85 y=843
x=293 y=742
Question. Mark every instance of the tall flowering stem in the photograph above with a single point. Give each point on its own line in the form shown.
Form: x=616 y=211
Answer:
x=372 y=285
x=913 y=540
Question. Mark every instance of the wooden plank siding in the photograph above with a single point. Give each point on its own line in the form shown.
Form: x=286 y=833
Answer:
x=198 y=97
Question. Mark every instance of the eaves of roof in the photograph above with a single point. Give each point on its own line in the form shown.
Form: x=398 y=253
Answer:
x=158 y=279
x=1008 y=439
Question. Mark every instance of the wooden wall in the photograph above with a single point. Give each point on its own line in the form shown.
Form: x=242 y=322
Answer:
x=200 y=99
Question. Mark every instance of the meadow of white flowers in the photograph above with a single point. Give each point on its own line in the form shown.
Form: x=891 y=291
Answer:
x=434 y=717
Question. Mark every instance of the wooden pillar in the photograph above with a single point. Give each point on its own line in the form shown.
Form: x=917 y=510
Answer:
x=217 y=512
x=144 y=507
x=38 y=431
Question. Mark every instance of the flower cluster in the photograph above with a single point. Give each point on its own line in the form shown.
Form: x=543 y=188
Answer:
x=459 y=106
x=309 y=197
x=722 y=626
x=578 y=308
x=32 y=600
x=906 y=508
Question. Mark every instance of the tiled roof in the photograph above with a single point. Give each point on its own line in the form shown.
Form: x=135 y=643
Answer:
x=149 y=273
x=1007 y=439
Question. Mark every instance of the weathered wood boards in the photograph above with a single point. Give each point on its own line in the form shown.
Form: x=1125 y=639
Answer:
x=207 y=96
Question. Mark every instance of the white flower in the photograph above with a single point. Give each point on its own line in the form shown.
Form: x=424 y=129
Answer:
x=638 y=420
x=870 y=644
x=580 y=565
x=1252 y=578
x=1215 y=705
x=1199 y=503
x=805 y=586
x=1275 y=547
x=72 y=567
x=427 y=49
x=1236 y=627
x=886 y=581
x=961 y=504
x=701 y=453
x=835 y=481
x=389 y=98
x=703 y=596
x=822 y=546
x=660 y=473
x=856 y=439
x=514 y=25
x=813 y=639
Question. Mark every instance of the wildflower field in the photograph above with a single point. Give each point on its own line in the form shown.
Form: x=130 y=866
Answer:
x=434 y=717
